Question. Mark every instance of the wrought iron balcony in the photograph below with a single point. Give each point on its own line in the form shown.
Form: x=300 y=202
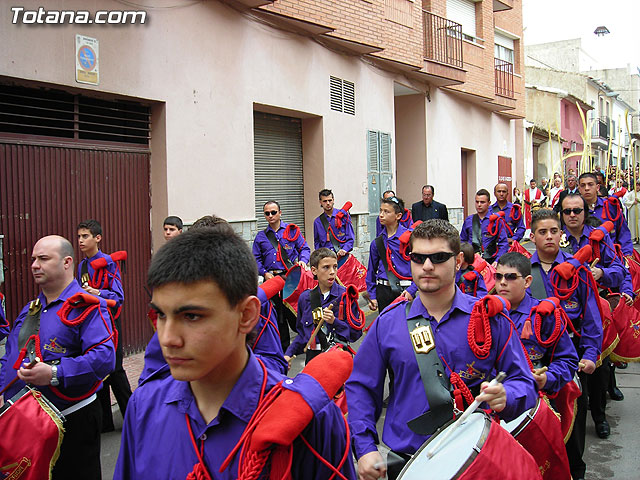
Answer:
x=442 y=39
x=600 y=128
x=504 y=78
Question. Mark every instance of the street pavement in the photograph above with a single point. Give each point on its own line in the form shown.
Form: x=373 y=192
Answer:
x=612 y=458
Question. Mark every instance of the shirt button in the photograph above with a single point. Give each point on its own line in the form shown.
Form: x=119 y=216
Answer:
x=44 y=311
x=288 y=381
x=203 y=437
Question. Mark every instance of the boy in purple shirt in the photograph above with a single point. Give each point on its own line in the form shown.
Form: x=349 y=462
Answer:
x=337 y=238
x=327 y=295
x=445 y=311
x=204 y=285
x=105 y=283
x=477 y=230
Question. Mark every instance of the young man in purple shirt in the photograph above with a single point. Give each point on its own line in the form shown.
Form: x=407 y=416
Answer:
x=581 y=307
x=74 y=357
x=327 y=233
x=106 y=283
x=204 y=285
x=477 y=230
x=512 y=213
x=276 y=249
x=445 y=311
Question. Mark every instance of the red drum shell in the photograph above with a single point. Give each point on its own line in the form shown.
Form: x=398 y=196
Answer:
x=297 y=281
x=352 y=272
x=628 y=322
x=486 y=270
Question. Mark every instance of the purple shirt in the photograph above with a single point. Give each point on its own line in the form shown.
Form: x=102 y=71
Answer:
x=406 y=221
x=502 y=244
x=561 y=358
x=517 y=226
x=620 y=234
x=612 y=268
x=344 y=234
x=305 y=326
x=376 y=270
x=155 y=440
x=388 y=346
x=114 y=291
x=470 y=285
x=5 y=328
x=267 y=344
x=84 y=360
x=266 y=255
x=581 y=308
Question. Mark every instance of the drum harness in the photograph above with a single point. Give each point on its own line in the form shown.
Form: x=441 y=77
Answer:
x=281 y=254
x=335 y=241
x=476 y=239
x=395 y=280
x=102 y=277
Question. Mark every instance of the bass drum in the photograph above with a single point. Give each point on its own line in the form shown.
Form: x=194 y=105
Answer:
x=479 y=449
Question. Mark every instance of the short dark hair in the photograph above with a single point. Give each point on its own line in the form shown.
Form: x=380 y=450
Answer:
x=395 y=202
x=174 y=221
x=516 y=260
x=532 y=180
x=437 y=228
x=320 y=254
x=588 y=175
x=543 y=214
x=433 y=190
x=483 y=192
x=389 y=191
x=469 y=253
x=211 y=221
x=271 y=201
x=208 y=254
x=92 y=225
x=325 y=192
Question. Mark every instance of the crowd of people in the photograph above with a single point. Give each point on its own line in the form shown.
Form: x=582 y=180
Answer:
x=455 y=310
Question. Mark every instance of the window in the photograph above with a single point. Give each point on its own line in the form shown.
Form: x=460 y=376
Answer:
x=464 y=13
x=343 y=95
x=504 y=47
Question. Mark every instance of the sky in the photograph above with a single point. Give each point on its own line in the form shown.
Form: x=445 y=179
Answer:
x=553 y=20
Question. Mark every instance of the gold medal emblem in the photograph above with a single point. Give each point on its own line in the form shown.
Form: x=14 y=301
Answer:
x=422 y=339
x=564 y=243
x=317 y=315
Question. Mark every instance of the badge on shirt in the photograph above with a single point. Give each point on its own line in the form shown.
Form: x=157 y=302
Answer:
x=534 y=354
x=564 y=243
x=471 y=373
x=53 y=346
x=422 y=339
x=570 y=305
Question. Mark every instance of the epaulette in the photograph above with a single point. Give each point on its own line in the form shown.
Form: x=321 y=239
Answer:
x=470 y=276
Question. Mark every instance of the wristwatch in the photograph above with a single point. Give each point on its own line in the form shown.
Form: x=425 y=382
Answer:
x=54 y=376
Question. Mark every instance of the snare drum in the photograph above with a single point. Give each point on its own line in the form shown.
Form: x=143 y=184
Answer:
x=479 y=449
x=538 y=431
x=297 y=281
x=31 y=436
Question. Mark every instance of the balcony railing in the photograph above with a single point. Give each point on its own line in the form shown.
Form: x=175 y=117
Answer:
x=442 y=39
x=504 y=78
x=600 y=128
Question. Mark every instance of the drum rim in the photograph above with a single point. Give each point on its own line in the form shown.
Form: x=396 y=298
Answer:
x=475 y=450
x=30 y=390
x=528 y=418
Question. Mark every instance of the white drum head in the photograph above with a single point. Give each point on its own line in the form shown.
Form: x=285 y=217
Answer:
x=454 y=456
x=515 y=426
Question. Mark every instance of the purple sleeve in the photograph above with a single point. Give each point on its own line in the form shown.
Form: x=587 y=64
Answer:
x=304 y=252
x=257 y=253
x=518 y=228
x=503 y=242
x=115 y=290
x=563 y=359
x=349 y=234
x=153 y=358
x=125 y=465
x=5 y=368
x=99 y=358
x=519 y=383
x=365 y=389
x=5 y=328
x=304 y=324
x=591 y=329
x=627 y=284
x=317 y=228
x=481 y=287
x=624 y=237
x=378 y=227
x=412 y=289
x=613 y=270
x=372 y=270
x=465 y=233
x=267 y=345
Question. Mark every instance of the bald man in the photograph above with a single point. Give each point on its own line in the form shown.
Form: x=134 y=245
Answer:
x=71 y=360
x=512 y=213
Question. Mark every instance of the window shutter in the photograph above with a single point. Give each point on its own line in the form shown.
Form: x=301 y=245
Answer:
x=464 y=13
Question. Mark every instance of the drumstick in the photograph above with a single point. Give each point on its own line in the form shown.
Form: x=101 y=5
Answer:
x=454 y=426
x=594 y=263
x=315 y=332
x=30 y=365
x=540 y=371
x=394 y=461
x=582 y=365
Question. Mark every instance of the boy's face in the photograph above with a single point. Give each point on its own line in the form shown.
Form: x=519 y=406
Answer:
x=87 y=242
x=388 y=215
x=201 y=335
x=326 y=271
x=588 y=189
x=171 y=231
x=326 y=202
x=482 y=204
x=546 y=238
x=429 y=277
x=512 y=289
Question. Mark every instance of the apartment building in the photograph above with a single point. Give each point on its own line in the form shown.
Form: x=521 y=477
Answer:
x=218 y=106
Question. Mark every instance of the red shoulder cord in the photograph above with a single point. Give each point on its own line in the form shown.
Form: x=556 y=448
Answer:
x=497 y=223
x=606 y=212
x=289 y=235
x=479 y=331
x=461 y=392
x=267 y=321
x=392 y=268
x=515 y=208
x=405 y=216
x=332 y=233
x=347 y=301
x=250 y=467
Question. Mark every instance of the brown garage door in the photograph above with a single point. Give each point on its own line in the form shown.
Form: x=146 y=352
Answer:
x=49 y=189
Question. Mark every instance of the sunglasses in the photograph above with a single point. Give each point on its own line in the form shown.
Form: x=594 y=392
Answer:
x=576 y=211
x=272 y=212
x=509 y=277
x=435 y=258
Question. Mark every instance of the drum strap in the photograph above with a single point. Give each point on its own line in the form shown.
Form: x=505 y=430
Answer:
x=394 y=281
x=30 y=327
x=537 y=285
x=476 y=239
x=278 y=248
x=327 y=227
x=436 y=384
x=316 y=302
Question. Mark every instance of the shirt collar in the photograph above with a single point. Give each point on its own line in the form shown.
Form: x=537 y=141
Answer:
x=69 y=291
x=560 y=257
x=526 y=304
x=461 y=302
x=282 y=226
